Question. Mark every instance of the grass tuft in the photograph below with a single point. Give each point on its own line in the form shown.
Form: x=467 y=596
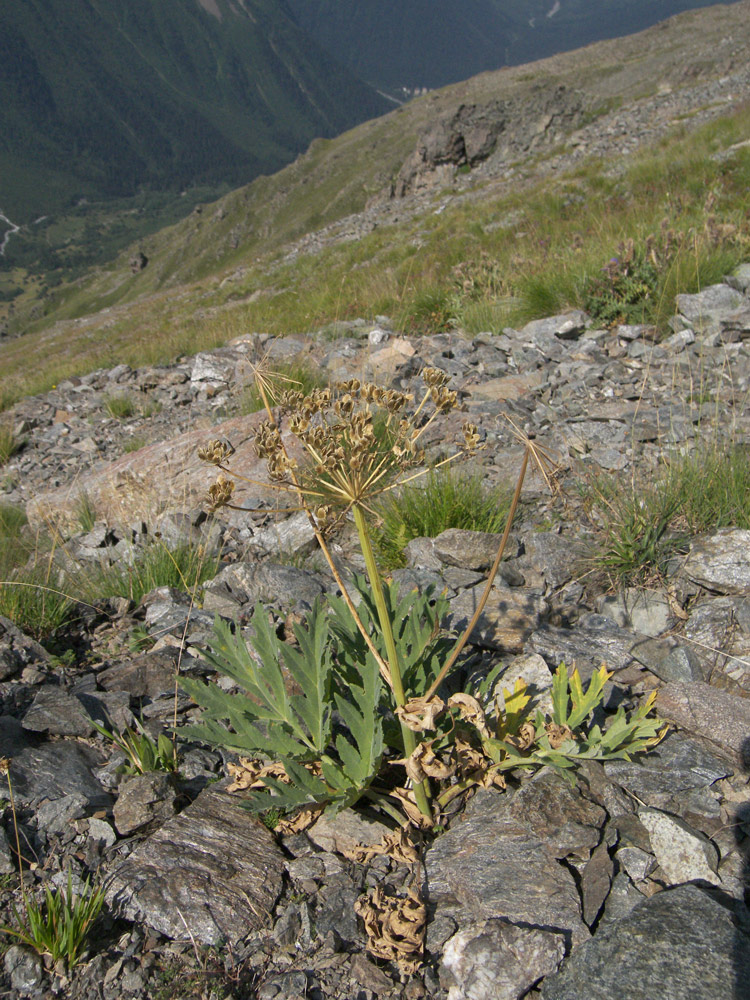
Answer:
x=444 y=500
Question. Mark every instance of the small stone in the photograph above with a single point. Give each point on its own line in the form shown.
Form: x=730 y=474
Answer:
x=24 y=967
x=683 y=854
x=718 y=716
x=719 y=562
x=495 y=960
x=57 y=712
x=346 y=831
x=144 y=799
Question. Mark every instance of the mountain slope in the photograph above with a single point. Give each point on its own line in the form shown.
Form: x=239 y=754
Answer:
x=99 y=97
x=396 y=44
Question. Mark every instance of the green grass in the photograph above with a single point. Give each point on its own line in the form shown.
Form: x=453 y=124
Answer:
x=59 y=927
x=644 y=524
x=121 y=406
x=445 y=499
x=295 y=376
x=10 y=443
x=184 y=567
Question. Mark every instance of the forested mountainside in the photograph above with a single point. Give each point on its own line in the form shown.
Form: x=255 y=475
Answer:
x=101 y=98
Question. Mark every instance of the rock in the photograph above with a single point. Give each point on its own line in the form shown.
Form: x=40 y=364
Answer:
x=644 y=611
x=681 y=943
x=55 y=816
x=269 y=583
x=483 y=869
x=293 y=536
x=683 y=854
x=468 y=549
x=718 y=634
x=17 y=650
x=213 y=873
x=495 y=960
x=509 y=617
x=669 y=661
x=144 y=799
x=663 y=777
x=346 y=831
x=585 y=647
x=537 y=677
x=57 y=712
x=146 y=676
x=720 y=718
x=55 y=770
x=596 y=881
x=24 y=967
x=554 y=557
x=719 y=562
x=567 y=326
x=707 y=308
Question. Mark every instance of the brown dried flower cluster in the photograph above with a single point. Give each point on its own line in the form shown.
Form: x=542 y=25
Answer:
x=358 y=438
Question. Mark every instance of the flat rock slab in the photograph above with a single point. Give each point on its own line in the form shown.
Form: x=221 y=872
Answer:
x=717 y=716
x=488 y=866
x=721 y=562
x=681 y=944
x=213 y=873
x=585 y=647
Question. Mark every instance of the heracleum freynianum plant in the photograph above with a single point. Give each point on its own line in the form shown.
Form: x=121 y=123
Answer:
x=365 y=675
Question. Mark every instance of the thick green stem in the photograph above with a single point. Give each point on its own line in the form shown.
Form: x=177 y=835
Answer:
x=397 y=684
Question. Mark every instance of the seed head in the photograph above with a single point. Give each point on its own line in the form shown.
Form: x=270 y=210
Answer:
x=220 y=493
x=216 y=452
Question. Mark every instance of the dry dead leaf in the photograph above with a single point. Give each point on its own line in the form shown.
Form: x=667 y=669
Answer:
x=470 y=711
x=423 y=763
x=557 y=734
x=409 y=805
x=395 y=927
x=396 y=845
x=420 y=714
x=249 y=774
x=524 y=738
x=298 y=821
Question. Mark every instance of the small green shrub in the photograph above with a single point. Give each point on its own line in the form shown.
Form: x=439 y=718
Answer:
x=85 y=512
x=120 y=405
x=445 y=499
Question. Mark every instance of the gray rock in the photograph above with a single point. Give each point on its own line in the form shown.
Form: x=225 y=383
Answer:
x=495 y=960
x=346 y=831
x=718 y=633
x=143 y=799
x=270 y=583
x=721 y=562
x=567 y=326
x=212 y=873
x=555 y=557
x=669 y=661
x=57 y=712
x=56 y=815
x=7 y=863
x=643 y=611
x=585 y=647
x=683 y=854
x=509 y=617
x=17 y=650
x=706 y=309
x=53 y=771
x=665 y=774
x=468 y=549
x=24 y=968
x=287 y=538
x=483 y=869
x=596 y=881
x=681 y=943
x=537 y=677
x=145 y=676
x=717 y=716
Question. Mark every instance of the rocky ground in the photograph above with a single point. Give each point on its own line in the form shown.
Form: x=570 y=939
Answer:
x=629 y=884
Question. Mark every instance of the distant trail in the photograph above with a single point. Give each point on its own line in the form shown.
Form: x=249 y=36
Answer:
x=8 y=233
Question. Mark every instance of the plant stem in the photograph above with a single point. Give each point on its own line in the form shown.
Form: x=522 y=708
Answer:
x=464 y=638
x=408 y=735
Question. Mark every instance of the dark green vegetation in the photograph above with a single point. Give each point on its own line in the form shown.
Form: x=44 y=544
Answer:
x=117 y=118
x=396 y=44
x=102 y=98
x=644 y=525
x=445 y=499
